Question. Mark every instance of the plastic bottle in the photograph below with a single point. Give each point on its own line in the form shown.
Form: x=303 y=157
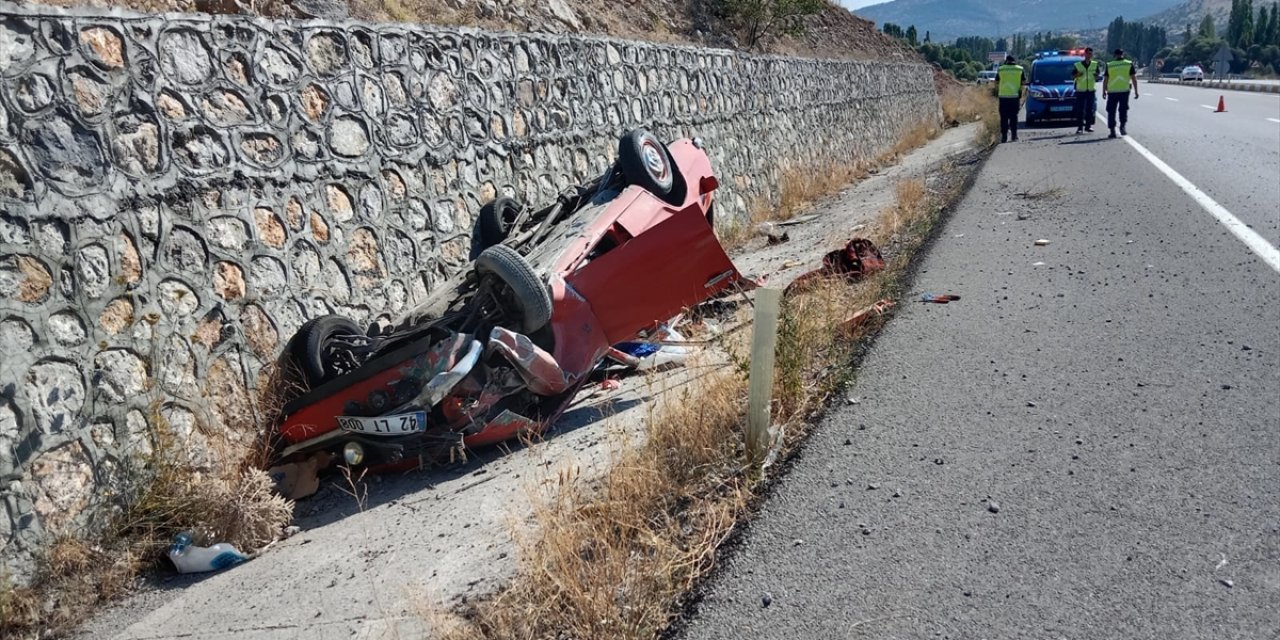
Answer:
x=188 y=558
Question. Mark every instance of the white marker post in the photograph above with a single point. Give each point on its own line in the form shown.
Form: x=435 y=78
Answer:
x=764 y=339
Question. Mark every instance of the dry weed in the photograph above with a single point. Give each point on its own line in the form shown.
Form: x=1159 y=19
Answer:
x=163 y=494
x=972 y=104
x=606 y=561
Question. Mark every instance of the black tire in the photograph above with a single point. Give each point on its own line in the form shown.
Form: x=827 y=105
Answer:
x=645 y=162
x=495 y=220
x=527 y=290
x=307 y=347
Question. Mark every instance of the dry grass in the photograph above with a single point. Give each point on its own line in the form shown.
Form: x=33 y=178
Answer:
x=913 y=139
x=972 y=104
x=606 y=560
x=163 y=494
x=798 y=189
x=614 y=559
x=908 y=205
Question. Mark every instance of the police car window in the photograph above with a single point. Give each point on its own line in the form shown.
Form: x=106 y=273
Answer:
x=1052 y=74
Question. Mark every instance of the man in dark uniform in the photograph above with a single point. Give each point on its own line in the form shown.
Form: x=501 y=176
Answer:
x=1010 y=79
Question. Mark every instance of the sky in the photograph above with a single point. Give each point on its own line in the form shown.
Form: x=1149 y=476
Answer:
x=858 y=4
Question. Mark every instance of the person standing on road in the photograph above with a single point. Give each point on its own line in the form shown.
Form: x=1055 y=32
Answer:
x=1010 y=79
x=1086 y=75
x=1121 y=76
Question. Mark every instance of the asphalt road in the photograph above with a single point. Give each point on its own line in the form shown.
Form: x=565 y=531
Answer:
x=1085 y=446
x=1233 y=156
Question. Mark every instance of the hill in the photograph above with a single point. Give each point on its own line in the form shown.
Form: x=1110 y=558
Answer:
x=1177 y=17
x=950 y=19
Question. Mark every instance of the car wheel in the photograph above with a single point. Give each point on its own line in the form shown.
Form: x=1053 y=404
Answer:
x=646 y=162
x=308 y=348
x=495 y=221
x=527 y=291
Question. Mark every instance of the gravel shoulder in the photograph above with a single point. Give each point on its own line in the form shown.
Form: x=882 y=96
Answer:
x=1084 y=446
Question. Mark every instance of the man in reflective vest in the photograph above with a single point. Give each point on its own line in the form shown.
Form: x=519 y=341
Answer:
x=1121 y=76
x=1010 y=80
x=1086 y=75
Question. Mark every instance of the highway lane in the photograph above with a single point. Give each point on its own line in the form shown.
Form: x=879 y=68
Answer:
x=1234 y=157
x=1085 y=446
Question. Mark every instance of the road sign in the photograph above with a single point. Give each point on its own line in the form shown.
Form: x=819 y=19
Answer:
x=1222 y=62
x=996 y=56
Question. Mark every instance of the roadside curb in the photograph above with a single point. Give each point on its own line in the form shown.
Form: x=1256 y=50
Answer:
x=1228 y=86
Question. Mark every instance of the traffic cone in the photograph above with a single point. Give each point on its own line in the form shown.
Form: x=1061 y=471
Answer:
x=1222 y=106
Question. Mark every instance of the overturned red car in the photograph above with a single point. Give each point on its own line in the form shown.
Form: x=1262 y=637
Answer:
x=502 y=348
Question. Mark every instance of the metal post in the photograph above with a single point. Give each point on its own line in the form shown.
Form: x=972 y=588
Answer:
x=763 y=341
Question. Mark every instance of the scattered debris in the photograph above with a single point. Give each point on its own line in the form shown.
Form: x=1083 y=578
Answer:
x=776 y=239
x=1042 y=242
x=1024 y=216
x=1037 y=264
x=857 y=259
x=1228 y=583
x=189 y=558
x=860 y=318
x=766 y=600
x=799 y=220
x=993 y=506
x=611 y=384
x=297 y=480
x=1030 y=404
x=943 y=298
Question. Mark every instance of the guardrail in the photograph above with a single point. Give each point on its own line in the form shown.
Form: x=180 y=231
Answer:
x=1256 y=87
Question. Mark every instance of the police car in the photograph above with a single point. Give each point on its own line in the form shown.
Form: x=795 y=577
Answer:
x=1051 y=94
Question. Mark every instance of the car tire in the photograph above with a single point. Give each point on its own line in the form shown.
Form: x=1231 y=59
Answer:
x=527 y=290
x=494 y=221
x=307 y=347
x=647 y=163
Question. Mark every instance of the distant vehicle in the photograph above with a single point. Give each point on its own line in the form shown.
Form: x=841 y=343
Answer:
x=986 y=77
x=1052 y=91
x=1191 y=73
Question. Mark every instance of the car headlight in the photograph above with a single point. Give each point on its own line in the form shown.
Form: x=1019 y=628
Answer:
x=1036 y=93
x=353 y=454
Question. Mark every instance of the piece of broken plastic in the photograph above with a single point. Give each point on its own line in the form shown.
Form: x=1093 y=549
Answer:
x=189 y=558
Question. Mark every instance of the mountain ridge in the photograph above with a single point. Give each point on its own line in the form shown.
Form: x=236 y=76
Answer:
x=950 y=19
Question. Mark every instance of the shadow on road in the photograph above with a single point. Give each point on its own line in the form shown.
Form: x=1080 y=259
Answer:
x=1086 y=141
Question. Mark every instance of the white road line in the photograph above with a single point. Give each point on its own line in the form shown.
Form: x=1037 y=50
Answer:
x=1171 y=99
x=1209 y=107
x=1274 y=119
x=1249 y=237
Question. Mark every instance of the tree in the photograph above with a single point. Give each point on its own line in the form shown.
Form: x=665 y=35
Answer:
x=1002 y=45
x=1186 y=35
x=1207 y=30
x=1262 y=29
x=761 y=18
x=1245 y=38
x=926 y=37
x=1273 y=30
x=912 y=35
x=893 y=31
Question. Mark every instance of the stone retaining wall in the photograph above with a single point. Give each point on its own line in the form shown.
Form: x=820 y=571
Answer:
x=179 y=193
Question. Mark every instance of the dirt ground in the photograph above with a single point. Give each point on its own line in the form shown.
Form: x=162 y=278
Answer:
x=372 y=559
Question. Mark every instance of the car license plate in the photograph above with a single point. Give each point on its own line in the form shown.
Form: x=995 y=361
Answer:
x=1065 y=107
x=395 y=425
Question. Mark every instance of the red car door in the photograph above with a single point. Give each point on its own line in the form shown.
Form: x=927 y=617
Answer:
x=674 y=262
